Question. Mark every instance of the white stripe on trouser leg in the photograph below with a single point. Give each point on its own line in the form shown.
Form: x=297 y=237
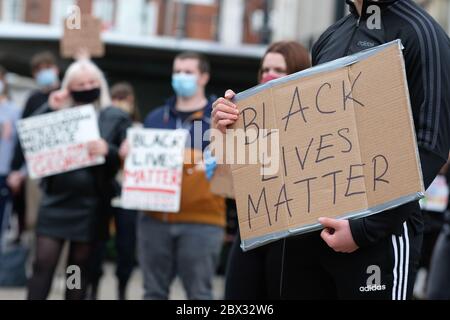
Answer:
x=405 y=286
x=400 y=267
x=394 y=284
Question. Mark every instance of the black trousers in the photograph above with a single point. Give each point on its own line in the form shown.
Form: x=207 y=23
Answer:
x=255 y=274
x=439 y=276
x=385 y=270
x=125 y=241
x=5 y=201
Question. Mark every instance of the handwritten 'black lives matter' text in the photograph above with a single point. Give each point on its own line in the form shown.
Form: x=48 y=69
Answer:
x=150 y=158
x=155 y=161
x=328 y=147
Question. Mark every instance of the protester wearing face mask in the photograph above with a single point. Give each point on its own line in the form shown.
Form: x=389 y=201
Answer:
x=46 y=74
x=9 y=114
x=45 y=71
x=75 y=204
x=186 y=243
x=257 y=274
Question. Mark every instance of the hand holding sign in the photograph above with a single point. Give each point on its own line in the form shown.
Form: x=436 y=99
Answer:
x=15 y=180
x=337 y=235
x=225 y=112
x=98 y=148
x=124 y=150
x=82 y=54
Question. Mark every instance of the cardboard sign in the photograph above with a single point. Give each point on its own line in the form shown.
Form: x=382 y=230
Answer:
x=57 y=142
x=87 y=37
x=345 y=146
x=222 y=182
x=153 y=170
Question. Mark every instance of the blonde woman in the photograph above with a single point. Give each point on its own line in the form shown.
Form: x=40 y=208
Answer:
x=74 y=205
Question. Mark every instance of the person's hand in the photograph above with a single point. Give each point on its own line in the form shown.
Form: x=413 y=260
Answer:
x=82 y=53
x=210 y=164
x=58 y=99
x=98 y=148
x=338 y=235
x=15 y=180
x=124 y=150
x=225 y=112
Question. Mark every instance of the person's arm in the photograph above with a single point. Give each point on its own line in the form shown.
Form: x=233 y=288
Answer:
x=113 y=158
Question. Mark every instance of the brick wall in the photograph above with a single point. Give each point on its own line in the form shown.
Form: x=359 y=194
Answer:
x=37 y=11
x=250 y=7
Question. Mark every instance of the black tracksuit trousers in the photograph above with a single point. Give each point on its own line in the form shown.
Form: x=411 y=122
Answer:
x=385 y=270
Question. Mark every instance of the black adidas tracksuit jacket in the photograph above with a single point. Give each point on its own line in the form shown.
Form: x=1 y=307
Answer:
x=385 y=265
x=427 y=60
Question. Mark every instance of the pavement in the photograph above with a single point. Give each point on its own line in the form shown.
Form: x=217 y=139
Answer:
x=107 y=290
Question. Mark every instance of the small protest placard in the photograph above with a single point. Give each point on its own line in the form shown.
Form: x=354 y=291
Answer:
x=56 y=142
x=153 y=170
x=87 y=36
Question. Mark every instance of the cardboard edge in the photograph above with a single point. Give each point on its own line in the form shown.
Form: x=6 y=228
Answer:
x=325 y=67
x=411 y=119
x=253 y=243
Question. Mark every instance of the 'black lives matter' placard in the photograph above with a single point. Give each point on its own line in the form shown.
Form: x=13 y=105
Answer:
x=346 y=146
x=154 y=169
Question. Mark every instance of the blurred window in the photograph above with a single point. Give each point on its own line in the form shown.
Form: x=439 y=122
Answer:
x=105 y=10
x=151 y=17
x=13 y=10
x=60 y=10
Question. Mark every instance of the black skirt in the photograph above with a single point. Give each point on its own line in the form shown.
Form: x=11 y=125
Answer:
x=70 y=207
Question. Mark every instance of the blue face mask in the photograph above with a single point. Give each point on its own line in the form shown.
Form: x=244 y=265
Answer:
x=184 y=85
x=46 y=78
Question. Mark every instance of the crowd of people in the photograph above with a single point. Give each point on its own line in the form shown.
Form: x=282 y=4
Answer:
x=76 y=206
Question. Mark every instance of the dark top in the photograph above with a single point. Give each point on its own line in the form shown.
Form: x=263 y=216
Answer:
x=34 y=102
x=427 y=62
x=76 y=205
x=174 y=119
x=184 y=115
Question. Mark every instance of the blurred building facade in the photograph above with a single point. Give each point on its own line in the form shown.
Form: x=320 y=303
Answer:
x=143 y=36
x=229 y=22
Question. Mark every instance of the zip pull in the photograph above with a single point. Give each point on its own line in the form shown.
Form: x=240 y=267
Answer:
x=358 y=21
